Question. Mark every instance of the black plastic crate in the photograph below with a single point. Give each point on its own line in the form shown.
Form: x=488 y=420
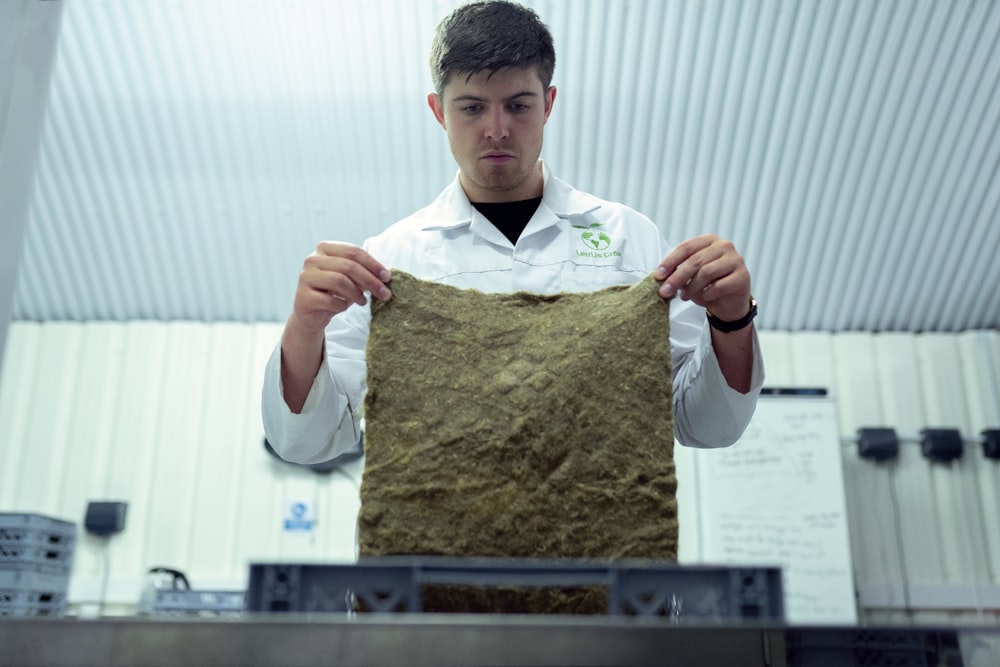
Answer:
x=34 y=541
x=861 y=647
x=634 y=588
x=199 y=603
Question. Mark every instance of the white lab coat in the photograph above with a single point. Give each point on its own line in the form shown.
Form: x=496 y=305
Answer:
x=450 y=242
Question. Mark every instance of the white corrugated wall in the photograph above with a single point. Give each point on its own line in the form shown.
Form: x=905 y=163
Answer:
x=922 y=533
x=195 y=152
x=166 y=417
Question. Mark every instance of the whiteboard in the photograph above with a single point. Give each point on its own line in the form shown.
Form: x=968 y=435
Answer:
x=776 y=497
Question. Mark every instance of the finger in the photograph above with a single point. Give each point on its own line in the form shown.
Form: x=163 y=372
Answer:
x=341 y=279
x=734 y=285
x=331 y=262
x=681 y=252
x=705 y=269
x=314 y=308
x=682 y=263
x=355 y=254
x=318 y=302
x=339 y=285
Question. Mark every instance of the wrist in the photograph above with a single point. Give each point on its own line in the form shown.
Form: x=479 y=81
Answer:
x=300 y=340
x=729 y=326
x=305 y=327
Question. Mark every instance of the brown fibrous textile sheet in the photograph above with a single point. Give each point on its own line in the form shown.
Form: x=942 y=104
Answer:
x=519 y=425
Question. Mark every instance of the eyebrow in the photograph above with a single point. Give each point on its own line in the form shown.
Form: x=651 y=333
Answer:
x=475 y=98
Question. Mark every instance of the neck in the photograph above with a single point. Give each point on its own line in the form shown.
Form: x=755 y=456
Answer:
x=531 y=187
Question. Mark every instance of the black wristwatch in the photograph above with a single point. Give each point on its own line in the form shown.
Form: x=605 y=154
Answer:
x=735 y=325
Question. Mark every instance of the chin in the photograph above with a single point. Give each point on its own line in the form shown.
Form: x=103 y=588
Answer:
x=501 y=182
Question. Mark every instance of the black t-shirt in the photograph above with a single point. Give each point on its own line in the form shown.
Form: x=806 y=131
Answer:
x=510 y=217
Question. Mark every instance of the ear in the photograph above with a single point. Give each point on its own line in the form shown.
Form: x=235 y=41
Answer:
x=550 y=99
x=437 y=108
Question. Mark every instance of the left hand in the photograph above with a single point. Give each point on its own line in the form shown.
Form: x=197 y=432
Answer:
x=708 y=271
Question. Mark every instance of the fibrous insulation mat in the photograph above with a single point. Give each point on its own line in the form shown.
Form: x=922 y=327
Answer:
x=518 y=425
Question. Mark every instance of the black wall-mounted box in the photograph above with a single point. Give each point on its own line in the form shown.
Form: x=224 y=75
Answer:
x=105 y=517
x=991 y=443
x=878 y=444
x=941 y=444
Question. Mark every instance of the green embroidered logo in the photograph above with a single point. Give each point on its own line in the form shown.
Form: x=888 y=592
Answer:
x=596 y=241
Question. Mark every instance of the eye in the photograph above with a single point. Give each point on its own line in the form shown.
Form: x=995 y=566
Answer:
x=518 y=107
x=471 y=109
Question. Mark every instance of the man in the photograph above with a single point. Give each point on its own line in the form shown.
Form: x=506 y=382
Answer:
x=507 y=224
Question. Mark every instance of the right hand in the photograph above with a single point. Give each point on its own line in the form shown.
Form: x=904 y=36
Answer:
x=332 y=278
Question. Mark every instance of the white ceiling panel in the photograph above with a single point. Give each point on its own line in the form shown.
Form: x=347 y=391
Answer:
x=195 y=152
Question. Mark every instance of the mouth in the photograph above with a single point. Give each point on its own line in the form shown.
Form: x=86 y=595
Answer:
x=497 y=156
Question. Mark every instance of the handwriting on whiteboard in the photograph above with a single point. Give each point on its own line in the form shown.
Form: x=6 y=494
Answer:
x=776 y=498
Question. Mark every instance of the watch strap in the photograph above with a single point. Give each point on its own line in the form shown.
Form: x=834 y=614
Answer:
x=734 y=325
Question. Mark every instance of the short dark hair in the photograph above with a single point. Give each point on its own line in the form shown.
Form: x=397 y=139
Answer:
x=489 y=36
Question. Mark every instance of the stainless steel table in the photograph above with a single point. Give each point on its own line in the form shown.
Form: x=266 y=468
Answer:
x=405 y=639
x=444 y=639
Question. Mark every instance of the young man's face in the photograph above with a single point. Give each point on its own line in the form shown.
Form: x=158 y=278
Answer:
x=494 y=125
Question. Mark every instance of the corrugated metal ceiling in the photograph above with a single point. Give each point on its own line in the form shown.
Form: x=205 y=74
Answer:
x=195 y=152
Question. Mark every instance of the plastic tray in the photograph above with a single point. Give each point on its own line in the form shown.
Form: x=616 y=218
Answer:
x=861 y=646
x=34 y=541
x=44 y=609
x=36 y=555
x=635 y=588
x=27 y=593
x=30 y=597
x=198 y=603
x=16 y=526
x=30 y=580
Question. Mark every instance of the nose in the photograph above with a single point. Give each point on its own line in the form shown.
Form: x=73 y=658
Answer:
x=497 y=125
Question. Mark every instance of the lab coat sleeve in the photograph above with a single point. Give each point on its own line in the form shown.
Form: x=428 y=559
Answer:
x=329 y=423
x=707 y=411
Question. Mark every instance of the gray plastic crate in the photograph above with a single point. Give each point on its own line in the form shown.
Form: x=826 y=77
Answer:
x=30 y=580
x=29 y=597
x=32 y=603
x=16 y=526
x=36 y=542
x=198 y=603
x=27 y=593
x=39 y=609
x=35 y=556
x=640 y=588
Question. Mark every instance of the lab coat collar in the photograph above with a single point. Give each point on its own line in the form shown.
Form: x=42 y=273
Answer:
x=560 y=200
